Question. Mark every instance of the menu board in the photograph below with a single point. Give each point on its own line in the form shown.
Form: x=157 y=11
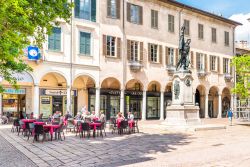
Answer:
x=46 y=106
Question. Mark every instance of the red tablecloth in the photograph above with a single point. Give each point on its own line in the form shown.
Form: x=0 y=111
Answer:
x=130 y=123
x=27 y=121
x=39 y=123
x=51 y=128
x=95 y=124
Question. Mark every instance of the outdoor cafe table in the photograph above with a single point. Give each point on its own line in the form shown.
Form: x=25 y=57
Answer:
x=94 y=125
x=130 y=123
x=39 y=123
x=27 y=121
x=51 y=128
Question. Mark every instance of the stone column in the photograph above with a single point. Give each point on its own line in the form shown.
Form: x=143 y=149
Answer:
x=68 y=100
x=36 y=101
x=219 y=106
x=232 y=102
x=144 y=105
x=97 y=101
x=122 y=101
x=1 y=111
x=206 y=106
x=162 y=106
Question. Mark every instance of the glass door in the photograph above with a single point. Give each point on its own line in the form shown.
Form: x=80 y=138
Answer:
x=136 y=107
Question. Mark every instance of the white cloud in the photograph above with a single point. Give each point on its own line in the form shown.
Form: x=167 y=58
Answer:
x=242 y=32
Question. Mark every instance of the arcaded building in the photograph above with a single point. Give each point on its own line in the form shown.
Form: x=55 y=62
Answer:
x=121 y=55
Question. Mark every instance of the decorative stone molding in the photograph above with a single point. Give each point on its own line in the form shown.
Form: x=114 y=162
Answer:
x=201 y=74
x=170 y=69
x=135 y=66
x=228 y=77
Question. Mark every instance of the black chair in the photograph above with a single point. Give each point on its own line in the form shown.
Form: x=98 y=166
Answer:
x=39 y=130
x=29 y=129
x=78 y=125
x=60 y=132
x=21 y=123
x=113 y=122
x=135 y=126
x=101 y=129
x=85 y=128
x=70 y=125
x=15 y=125
x=123 y=126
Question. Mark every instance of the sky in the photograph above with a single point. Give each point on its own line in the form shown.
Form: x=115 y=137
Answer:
x=237 y=10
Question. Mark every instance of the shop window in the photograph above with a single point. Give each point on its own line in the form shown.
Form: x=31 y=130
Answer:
x=153 y=107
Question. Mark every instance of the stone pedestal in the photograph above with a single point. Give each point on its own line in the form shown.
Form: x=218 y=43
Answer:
x=182 y=110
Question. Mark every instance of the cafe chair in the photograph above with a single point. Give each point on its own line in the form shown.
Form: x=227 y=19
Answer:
x=39 y=130
x=60 y=132
x=101 y=129
x=113 y=122
x=123 y=127
x=70 y=125
x=29 y=129
x=85 y=128
x=135 y=126
x=21 y=123
x=15 y=125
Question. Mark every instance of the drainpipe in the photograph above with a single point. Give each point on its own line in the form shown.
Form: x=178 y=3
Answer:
x=71 y=61
x=234 y=54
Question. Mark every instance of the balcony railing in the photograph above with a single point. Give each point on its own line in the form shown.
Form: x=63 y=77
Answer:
x=170 y=69
x=135 y=65
x=228 y=77
x=201 y=74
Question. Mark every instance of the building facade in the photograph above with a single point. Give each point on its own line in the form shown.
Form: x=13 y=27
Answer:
x=120 y=55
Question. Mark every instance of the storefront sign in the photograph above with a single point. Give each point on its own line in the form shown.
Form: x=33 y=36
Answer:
x=134 y=93
x=110 y=91
x=14 y=91
x=56 y=92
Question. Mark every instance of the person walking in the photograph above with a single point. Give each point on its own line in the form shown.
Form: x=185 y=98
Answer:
x=230 y=116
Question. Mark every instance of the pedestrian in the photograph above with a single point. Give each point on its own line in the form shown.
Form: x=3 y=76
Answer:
x=230 y=116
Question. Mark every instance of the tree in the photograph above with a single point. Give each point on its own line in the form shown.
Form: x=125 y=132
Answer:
x=21 y=21
x=242 y=65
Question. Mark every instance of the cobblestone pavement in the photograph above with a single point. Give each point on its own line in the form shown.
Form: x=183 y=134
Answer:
x=10 y=156
x=155 y=146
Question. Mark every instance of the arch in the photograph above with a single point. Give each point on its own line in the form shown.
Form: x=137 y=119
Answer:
x=226 y=101
x=213 y=101
x=168 y=87
x=200 y=99
x=154 y=86
x=53 y=79
x=84 y=82
x=85 y=74
x=111 y=83
x=134 y=84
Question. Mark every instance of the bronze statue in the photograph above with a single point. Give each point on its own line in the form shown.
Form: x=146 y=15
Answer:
x=184 y=48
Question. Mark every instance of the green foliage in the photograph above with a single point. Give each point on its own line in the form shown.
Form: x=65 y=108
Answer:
x=242 y=65
x=21 y=21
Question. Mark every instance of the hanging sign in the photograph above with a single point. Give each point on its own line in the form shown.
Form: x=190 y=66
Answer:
x=33 y=53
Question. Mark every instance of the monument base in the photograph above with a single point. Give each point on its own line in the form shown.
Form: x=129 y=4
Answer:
x=182 y=115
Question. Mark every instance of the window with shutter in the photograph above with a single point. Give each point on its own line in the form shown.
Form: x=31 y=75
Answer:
x=54 y=39
x=214 y=35
x=141 y=51
x=171 y=56
x=133 y=51
x=85 y=9
x=170 y=23
x=160 y=54
x=212 y=63
x=200 y=31
x=113 y=8
x=118 y=54
x=111 y=46
x=200 y=61
x=166 y=56
x=225 y=66
x=85 y=43
x=154 y=19
x=153 y=53
x=226 y=38
x=134 y=13
x=218 y=64
x=186 y=24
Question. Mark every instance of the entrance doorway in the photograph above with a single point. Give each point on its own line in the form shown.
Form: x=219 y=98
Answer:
x=57 y=102
x=210 y=109
x=135 y=107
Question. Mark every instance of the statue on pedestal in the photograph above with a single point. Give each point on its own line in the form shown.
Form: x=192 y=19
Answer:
x=184 y=48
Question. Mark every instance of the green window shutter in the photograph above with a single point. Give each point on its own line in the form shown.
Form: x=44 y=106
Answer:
x=77 y=8
x=55 y=39
x=85 y=43
x=93 y=10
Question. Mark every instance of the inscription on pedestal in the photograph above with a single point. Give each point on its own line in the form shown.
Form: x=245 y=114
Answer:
x=176 y=89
